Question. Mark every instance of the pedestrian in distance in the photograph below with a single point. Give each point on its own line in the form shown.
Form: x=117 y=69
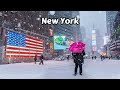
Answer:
x=35 y=58
x=78 y=60
x=117 y=57
x=83 y=54
x=68 y=57
x=101 y=57
x=111 y=57
x=92 y=57
x=41 y=59
x=95 y=57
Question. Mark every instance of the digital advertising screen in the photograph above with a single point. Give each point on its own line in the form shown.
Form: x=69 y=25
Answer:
x=59 y=42
x=93 y=42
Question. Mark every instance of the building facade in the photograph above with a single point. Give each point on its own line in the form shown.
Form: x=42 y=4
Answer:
x=115 y=37
x=26 y=22
x=99 y=41
x=110 y=17
x=62 y=29
x=76 y=28
x=69 y=31
x=83 y=33
x=114 y=31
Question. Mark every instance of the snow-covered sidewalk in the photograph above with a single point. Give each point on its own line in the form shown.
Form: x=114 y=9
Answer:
x=92 y=69
x=106 y=69
x=50 y=70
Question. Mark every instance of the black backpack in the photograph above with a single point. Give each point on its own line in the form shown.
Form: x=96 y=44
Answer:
x=78 y=58
x=41 y=57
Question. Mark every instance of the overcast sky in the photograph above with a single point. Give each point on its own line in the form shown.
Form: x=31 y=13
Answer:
x=98 y=18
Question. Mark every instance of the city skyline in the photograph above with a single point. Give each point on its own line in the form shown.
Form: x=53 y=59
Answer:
x=96 y=18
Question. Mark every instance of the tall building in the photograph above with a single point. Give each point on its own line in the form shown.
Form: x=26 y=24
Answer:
x=28 y=23
x=113 y=20
x=62 y=29
x=86 y=40
x=83 y=33
x=110 y=17
x=28 y=20
x=99 y=41
x=94 y=42
x=88 y=47
x=69 y=31
x=115 y=37
x=76 y=28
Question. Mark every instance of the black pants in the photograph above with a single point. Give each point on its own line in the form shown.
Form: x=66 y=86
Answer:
x=80 y=68
x=41 y=61
x=35 y=61
x=68 y=59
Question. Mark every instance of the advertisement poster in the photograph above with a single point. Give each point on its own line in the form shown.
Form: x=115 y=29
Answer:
x=60 y=42
x=94 y=48
x=93 y=36
x=93 y=42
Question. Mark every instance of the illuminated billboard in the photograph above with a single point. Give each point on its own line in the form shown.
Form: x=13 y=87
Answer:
x=93 y=42
x=106 y=39
x=94 y=48
x=59 y=42
x=93 y=31
x=93 y=36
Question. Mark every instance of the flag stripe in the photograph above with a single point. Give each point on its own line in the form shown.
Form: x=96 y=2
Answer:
x=21 y=54
x=34 y=41
x=14 y=50
x=32 y=38
x=38 y=45
x=22 y=48
x=30 y=46
x=9 y=52
x=28 y=42
x=13 y=56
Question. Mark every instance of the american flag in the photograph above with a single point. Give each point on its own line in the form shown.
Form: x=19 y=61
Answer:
x=21 y=45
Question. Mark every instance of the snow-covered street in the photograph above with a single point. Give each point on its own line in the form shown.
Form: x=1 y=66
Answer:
x=92 y=69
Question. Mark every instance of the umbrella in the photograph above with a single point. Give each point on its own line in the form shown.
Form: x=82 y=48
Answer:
x=77 y=47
